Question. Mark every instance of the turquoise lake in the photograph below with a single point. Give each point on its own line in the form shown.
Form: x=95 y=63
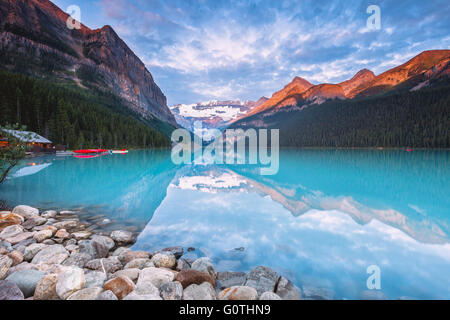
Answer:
x=321 y=221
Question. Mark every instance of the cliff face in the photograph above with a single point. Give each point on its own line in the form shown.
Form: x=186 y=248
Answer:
x=35 y=31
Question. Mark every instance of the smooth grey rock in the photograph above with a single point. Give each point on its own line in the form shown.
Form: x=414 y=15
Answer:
x=73 y=248
x=51 y=221
x=269 y=296
x=171 y=291
x=6 y=245
x=49 y=214
x=121 y=251
x=10 y=291
x=34 y=222
x=54 y=254
x=81 y=235
x=107 y=295
x=139 y=264
x=204 y=265
x=20 y=237
x=23 y=244
x=26 y=280
x=145 y=287
x=205 y=291
x=126 y=256
x=5 y=263
x=229 y=279
x=155 y=276
x=262 y=279
x=69 y=281
x=108 y=265
x=122 y=237
x=238 y=293
x=86 y=294
x=104 y=240
x=26 y=211
x=286 y=290
x=94 y=279
x=96 y=249
x=21 y=266
x=31 y=250
x=67 y=224
x=11 y=231
x=78 y=259
x=132 y=273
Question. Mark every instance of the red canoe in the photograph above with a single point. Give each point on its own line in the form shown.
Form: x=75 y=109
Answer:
x=88 y=151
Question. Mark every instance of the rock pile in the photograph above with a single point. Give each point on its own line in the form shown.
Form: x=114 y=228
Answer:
x=54 y=256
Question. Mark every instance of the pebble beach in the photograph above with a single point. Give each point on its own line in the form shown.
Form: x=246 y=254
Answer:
x=53 y=255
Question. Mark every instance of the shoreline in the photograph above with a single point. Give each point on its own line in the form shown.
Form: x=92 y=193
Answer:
x=52 y=255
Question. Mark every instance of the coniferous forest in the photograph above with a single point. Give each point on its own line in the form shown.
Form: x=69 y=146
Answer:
x=73 y=116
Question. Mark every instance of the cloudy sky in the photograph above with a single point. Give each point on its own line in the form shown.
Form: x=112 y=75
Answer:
x=243 y=49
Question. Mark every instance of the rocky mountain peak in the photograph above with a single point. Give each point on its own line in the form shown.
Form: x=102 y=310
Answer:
x=38 y=29
x=359 y=78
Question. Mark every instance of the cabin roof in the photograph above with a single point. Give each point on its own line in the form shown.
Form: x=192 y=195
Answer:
x=27 y=136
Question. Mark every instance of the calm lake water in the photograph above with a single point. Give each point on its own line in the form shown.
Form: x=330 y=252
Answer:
x=321 y=221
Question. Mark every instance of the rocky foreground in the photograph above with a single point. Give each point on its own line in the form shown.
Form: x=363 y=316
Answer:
x=54 y=256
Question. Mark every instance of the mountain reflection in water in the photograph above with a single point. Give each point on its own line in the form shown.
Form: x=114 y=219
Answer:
x=321 y=221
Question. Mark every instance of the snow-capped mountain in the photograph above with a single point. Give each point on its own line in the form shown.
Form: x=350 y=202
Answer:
x=213 y=113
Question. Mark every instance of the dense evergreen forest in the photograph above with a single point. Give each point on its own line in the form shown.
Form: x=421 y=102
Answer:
x=419 y=119
x=73 y=116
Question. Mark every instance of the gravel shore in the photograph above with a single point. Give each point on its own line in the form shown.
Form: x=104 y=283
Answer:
x=53 y=255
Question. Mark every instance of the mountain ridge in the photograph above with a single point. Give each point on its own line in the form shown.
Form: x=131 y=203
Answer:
x=414 y=74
